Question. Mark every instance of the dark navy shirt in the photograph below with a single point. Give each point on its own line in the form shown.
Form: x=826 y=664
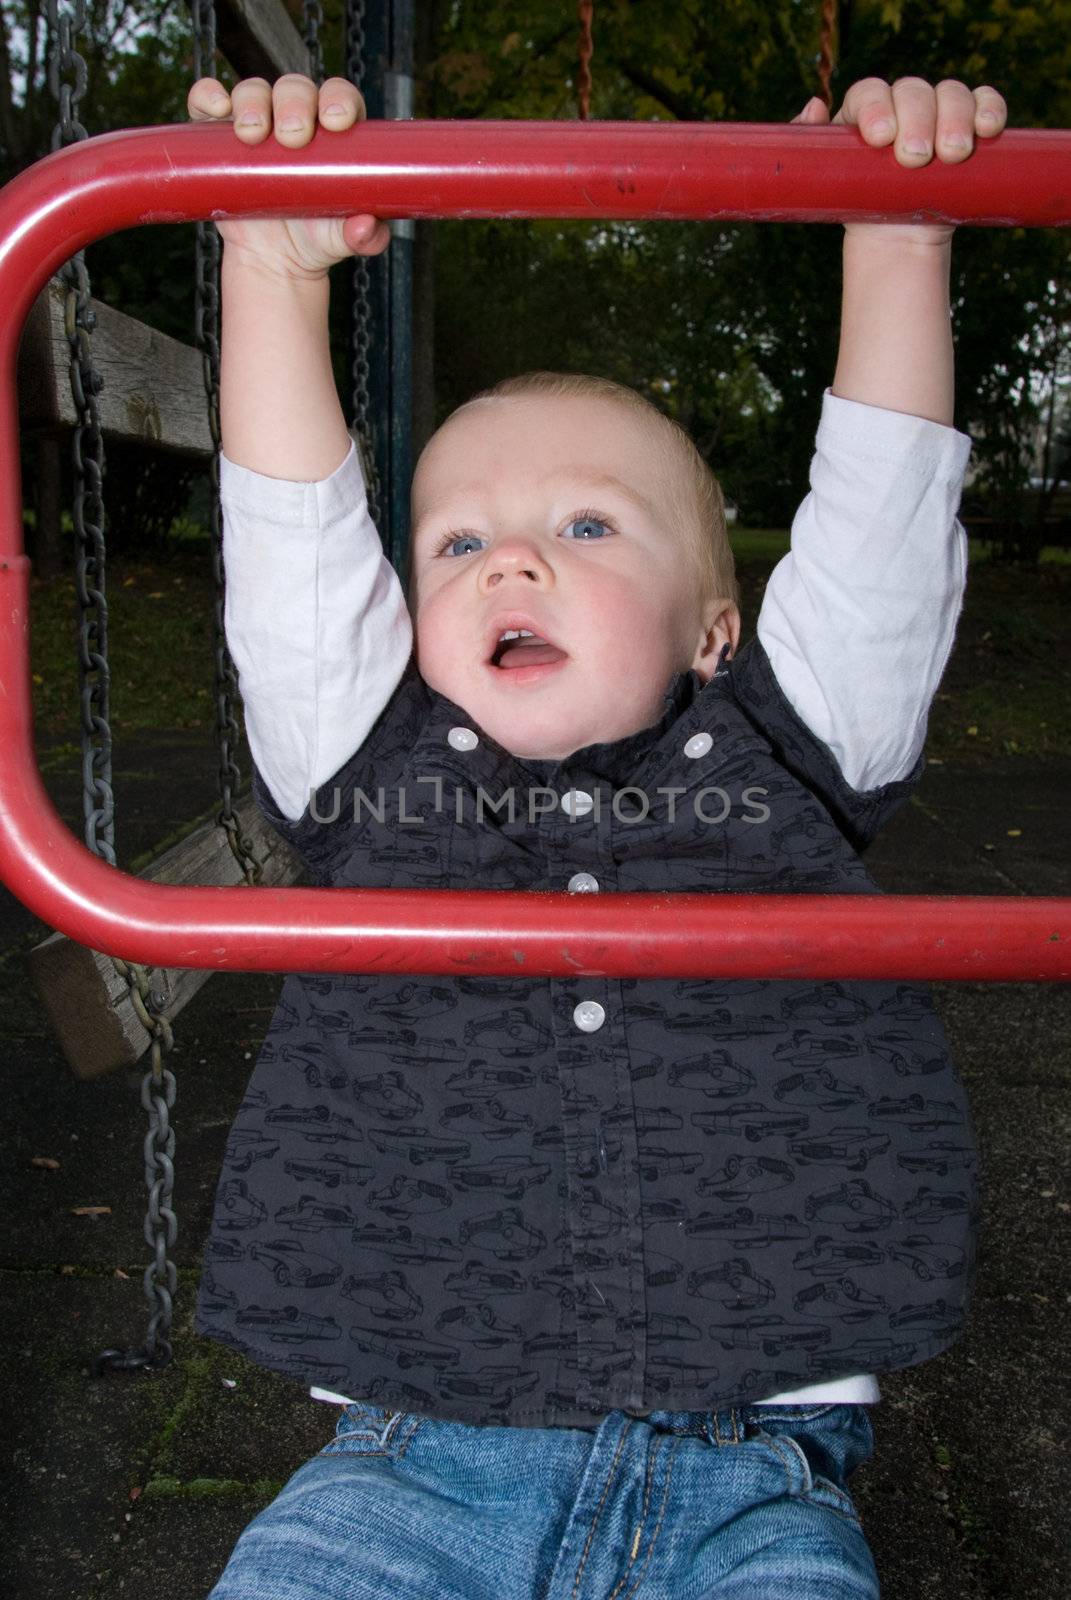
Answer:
x=529 y=1202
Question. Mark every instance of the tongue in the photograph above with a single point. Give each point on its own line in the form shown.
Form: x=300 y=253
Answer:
x=529 y=653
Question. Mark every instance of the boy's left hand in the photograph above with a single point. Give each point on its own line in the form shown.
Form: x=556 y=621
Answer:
x=919 y=120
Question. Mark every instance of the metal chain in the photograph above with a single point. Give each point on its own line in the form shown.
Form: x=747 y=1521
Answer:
x=314 y=18
x=64 y=58
x=360 y=305
x=160 y=1278
x=67 y=80
x=206 y=338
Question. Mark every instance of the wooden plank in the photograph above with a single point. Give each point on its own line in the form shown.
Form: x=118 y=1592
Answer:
x=153 y=390
x=259 y=39
x=88 y=1003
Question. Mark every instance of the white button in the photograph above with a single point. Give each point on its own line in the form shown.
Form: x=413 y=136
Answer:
x=462 y=739
x=576 y=803
x=698 y=745
x=589 y=1016
x=582 y=882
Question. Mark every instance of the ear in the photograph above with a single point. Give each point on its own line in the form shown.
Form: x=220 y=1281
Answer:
x=721 y=627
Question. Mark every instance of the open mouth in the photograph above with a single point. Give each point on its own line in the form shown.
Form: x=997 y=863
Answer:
x=521 y=647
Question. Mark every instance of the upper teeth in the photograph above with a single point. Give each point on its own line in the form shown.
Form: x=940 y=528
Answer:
x=516 y=633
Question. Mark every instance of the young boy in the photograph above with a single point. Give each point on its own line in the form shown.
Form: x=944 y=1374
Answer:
x=600 y=1270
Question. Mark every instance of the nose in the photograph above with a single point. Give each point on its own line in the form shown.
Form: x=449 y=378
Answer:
x=515 y=558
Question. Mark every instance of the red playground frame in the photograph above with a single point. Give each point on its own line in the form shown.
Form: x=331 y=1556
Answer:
x=726 y=172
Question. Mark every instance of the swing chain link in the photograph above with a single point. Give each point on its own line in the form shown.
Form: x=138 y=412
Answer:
x=360 y=305
x=67 y=78
x=161 y=1226
x=65 y=59
x=160 y=1278
x=206 y=338
x=314 y=18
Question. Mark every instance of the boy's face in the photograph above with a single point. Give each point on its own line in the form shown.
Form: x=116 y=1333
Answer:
x=555 y=515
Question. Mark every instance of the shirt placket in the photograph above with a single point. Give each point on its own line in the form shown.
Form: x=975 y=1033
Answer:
x=602 y=1211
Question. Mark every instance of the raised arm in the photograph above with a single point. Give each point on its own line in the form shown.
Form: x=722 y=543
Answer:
x=859 y=619
x=896 y=331
x=279 y=409
x=316 y=621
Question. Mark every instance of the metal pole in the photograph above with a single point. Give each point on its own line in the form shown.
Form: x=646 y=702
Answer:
x=188 y=173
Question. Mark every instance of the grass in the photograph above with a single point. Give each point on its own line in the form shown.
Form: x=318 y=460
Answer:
x=159 y=645
x=1005 y=693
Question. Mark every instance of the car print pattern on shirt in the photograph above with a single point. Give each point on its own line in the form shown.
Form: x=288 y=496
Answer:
x=443 y=1196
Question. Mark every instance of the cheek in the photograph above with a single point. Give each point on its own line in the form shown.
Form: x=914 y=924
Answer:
x=432 y=637
x=651 y=621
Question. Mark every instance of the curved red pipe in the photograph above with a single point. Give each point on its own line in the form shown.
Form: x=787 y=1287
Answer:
x=485 y=169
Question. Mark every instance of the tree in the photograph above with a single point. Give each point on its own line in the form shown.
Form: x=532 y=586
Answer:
x=744 y=342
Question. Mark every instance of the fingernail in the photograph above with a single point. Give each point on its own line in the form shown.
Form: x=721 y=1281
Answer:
x=220 y=102
x=987 y=116
x=956 y=141
x=883 y=128
x=289 y=124
x=249 y=119
x=917 y=147
x=333 y=110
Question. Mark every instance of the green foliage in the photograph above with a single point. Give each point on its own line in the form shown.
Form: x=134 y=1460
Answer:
x=736 y=327
x=732 y=329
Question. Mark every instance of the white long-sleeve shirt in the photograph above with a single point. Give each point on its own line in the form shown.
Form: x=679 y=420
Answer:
x=858 y=620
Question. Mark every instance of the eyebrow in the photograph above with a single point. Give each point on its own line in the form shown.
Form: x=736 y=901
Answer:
x=594 y=480
x=605 y=480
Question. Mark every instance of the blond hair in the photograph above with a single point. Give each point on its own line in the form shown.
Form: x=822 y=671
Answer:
x=700 y=505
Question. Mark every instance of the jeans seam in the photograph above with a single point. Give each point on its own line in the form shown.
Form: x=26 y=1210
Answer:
x=785 y=1456
x=598 y=1509
x=652 y=1456
x=840 y=1511
x=658 y=1525
x=389 y=1445
x=809 y=1478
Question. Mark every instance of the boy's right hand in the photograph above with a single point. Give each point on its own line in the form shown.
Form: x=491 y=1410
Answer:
x=301 y=247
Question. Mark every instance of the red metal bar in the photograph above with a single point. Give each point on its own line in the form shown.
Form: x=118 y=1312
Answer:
x=485 y=169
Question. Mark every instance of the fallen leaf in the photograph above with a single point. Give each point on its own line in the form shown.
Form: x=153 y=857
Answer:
x=119 y=1273
x=972 y=731
x=1015 y=833
x=66 y=1272
x=135 y=1493
x=49 y=1162
x=37 y=678
x=127 y=582
x=157 y=594
x=91 y=1211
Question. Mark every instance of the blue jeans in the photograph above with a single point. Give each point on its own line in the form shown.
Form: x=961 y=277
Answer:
x=743 y=1504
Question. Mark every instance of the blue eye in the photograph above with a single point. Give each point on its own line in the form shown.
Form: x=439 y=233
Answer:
x=450 y=543
x=589 y=527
